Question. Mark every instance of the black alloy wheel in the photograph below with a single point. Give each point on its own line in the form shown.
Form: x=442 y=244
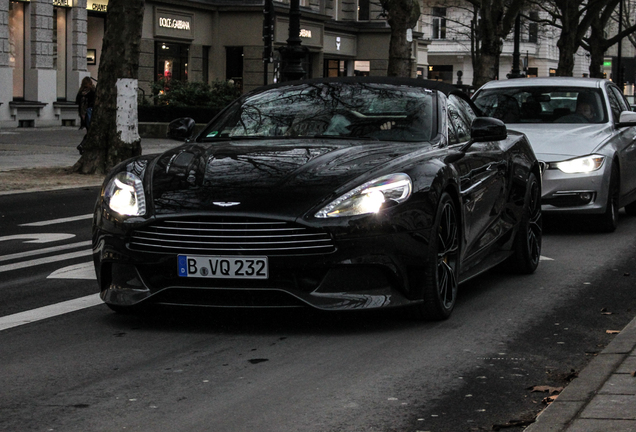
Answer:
x=442 y=267
x=527 y=245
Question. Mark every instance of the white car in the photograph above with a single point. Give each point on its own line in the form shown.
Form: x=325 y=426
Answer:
x=584 y=131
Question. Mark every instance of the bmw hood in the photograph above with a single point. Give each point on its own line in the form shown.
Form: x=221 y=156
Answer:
x=262 y=176
x=559 y=141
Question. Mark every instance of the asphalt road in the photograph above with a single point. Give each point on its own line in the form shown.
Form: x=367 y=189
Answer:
x=184 y=370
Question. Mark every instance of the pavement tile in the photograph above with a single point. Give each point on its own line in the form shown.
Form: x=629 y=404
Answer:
x=556 y=416
x=587 y=425
x=591 y=379
x=629 y=365
x=619 y=384
x=606 y=406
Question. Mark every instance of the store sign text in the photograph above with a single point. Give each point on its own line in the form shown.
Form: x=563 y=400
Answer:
x=97 y=7
x=61 y=3
x=304 y=33
x=174 y=23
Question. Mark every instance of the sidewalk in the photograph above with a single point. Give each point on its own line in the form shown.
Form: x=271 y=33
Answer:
x=601 y=399
x=37 y=158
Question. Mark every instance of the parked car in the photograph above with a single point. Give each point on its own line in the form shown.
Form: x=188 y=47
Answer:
x=338 y=194
x=585 y=132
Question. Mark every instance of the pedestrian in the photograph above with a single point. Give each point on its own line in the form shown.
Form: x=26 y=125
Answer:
x=85 y=101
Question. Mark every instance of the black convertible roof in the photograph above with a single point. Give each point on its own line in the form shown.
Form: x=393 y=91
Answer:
x=414 y=82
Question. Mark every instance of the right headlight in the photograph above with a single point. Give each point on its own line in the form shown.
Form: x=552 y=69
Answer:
x=124 y=194
x=369 y=197
x=581 y=165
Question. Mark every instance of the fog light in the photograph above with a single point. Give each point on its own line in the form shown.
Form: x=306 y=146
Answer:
x=585 y=196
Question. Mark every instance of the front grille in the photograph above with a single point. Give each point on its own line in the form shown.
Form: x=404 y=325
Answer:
x=231 y=237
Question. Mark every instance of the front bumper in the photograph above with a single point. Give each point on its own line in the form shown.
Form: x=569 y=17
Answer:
x=363 y=272
x=575 y=193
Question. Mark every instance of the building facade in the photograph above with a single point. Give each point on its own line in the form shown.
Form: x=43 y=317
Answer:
x=48 y=46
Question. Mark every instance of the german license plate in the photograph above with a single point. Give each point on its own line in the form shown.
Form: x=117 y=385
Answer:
x=223 y=267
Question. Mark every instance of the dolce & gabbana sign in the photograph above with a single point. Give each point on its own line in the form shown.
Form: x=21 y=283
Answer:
x=174 y=24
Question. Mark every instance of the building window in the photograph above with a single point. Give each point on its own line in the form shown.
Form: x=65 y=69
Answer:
x=16 y=47
x=439 y=23
x=234 y=65
x=363 y=10
x=442 y=73
x=533 y=28
x=335 y=68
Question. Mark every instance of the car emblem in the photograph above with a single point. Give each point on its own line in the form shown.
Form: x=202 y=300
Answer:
x=225 y=204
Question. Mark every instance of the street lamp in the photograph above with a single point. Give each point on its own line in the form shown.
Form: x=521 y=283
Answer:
x=516 y=56
x=293 y=53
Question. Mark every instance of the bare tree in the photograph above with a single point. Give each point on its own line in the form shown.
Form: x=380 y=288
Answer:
x=401 y=16
x=113 y=136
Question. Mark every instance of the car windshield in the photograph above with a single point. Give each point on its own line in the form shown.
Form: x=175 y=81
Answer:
x=330 y=110
x=543 y=104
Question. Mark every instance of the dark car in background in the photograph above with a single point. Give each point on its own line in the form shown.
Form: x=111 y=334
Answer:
x=337 y=194
x=585 y=132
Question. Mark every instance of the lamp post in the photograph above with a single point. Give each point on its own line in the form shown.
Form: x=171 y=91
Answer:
x=516 y=56
x=293 y=53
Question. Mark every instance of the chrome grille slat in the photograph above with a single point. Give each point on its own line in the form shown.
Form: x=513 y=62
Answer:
x=230 y=236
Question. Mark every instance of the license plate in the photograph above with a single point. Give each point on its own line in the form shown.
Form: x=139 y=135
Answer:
x=223 y=267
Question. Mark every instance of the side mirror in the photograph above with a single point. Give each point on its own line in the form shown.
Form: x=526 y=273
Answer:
x=181 y=129
x=627 y=118
x=488 y=129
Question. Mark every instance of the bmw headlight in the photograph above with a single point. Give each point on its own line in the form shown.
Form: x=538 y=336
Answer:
x=583 y=164
x=124 y=194
x=369 y=197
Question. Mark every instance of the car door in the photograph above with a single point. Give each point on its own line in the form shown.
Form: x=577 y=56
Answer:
x=624 y=140
x=482 y=175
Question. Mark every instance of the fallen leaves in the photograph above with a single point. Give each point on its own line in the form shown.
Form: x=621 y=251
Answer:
x=612 y=331
x=551 y=390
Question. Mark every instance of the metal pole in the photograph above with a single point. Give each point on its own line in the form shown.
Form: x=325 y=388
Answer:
x=619 y=70
x=293 y=53
x=516 y=56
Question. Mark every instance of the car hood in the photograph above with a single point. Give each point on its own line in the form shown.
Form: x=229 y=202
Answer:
x=283 y=177
x=553 y=142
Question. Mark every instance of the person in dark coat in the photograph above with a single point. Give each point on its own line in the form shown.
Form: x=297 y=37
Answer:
x=85 y=101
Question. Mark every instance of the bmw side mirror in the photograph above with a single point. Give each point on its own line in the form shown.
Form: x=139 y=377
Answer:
x=627 y=118
x=181 y=129
x=488 y=129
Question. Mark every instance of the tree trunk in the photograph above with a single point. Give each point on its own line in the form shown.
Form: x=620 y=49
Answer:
x=597 y=54
x=402 y=15
x=113 y=135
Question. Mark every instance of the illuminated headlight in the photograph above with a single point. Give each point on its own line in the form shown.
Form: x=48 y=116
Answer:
x=370 y=197
x=584 y=164
x=124 y=194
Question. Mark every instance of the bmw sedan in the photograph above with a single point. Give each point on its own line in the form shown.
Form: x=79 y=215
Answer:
x=335 y=194
x=585 y=132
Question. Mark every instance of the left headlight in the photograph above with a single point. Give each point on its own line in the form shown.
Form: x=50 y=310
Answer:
x=581 y=165
x=124 y=194
x=369 y=197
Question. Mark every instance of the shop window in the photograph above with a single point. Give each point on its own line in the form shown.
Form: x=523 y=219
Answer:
x=439 y=23
x=59 y=50
x=361 y=68
x=532 y=72
x=171 y=61
x=234 y=65
x=442 y=73
x=363 y=10
x=16 y=48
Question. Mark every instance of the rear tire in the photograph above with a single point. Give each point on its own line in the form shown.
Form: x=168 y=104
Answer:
x=442 y=264
x=527 y=244
x=608 y=221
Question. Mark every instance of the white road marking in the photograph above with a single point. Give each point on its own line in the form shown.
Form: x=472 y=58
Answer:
x=50 y=311
x=77 y=271
x=542 y=258
x=44 y=250
x=39 y=261
x=39 y=238
x=57 y=221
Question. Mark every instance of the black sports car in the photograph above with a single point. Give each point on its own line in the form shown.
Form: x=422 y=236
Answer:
x=338 y=194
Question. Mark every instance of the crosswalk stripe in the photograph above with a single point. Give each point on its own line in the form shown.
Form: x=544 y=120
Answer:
x=57 y=221
x=44 y=250
x=39 y=261
x=50 y=311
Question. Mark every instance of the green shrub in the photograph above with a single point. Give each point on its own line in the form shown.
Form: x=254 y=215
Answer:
x=194 y=94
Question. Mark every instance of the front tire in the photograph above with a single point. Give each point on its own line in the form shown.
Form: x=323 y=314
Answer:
x=442 y=264
x=608 y=221
x=527 y=244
